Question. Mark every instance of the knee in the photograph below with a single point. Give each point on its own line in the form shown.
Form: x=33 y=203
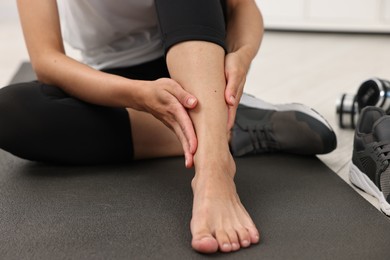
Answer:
x=15 y=102
x=7 y=115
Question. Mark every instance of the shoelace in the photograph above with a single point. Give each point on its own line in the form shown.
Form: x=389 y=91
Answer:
x=262 y=138
x=382 y=150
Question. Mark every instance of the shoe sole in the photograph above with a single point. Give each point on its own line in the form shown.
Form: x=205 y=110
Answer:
x=251 y=101
x=360 y=180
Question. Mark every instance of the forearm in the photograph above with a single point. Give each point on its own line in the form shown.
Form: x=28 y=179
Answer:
x=42 y=33
x=244 y=28
x=88 y=84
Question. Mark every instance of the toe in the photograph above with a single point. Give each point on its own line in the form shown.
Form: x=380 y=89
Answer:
x=244 y=236
x=254 y=234
x=223 y=241
x=236 y=246
x=205 y=244
x=233 y=237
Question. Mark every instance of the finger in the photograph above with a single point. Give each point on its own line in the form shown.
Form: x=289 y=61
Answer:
x=189 y=161
x=186 y=129
x=231 y=90
x=232 y=110
x=186 y=99
x=185 y=144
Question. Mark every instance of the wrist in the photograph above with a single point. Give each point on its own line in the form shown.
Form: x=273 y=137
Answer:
x=138 y=93
x=246 y=54
x=130 y=93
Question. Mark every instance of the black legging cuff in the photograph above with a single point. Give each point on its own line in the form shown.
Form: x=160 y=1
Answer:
x=185 y=20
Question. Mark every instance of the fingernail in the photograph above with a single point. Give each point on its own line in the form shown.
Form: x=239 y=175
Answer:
x=191 y=101
x=233 y=100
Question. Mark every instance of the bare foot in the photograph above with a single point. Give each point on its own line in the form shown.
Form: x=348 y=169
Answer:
x=219 y=220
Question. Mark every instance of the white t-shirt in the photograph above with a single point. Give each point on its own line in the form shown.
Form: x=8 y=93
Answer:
x=112 y=33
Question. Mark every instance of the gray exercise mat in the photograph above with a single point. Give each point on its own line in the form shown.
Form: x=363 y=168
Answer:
x=142 y=210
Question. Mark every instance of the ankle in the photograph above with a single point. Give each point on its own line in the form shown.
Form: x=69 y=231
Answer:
x=211 y=170
x=214 y=160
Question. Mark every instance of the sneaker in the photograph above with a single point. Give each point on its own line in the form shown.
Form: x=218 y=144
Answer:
x=294 y=128
x=370 y=169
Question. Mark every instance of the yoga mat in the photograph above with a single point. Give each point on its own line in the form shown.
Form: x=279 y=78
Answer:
x=142 y=210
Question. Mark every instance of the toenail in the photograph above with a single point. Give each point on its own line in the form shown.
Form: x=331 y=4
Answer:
x=245 y=243
x=235 y=245
x=226 y=245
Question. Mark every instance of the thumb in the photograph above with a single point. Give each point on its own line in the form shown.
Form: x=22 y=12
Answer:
x=186 y=99
x=231 y=92
x=189 y=101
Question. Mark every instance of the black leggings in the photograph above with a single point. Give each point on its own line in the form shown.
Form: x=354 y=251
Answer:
x=40 y=122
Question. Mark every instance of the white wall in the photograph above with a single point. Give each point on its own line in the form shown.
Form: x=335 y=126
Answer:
x=337 y=15
x=333 y=15
x=8 y=10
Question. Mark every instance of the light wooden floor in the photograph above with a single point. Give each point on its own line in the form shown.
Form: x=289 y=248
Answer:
x=314 y=69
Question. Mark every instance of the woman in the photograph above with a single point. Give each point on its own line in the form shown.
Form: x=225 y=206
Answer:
x=158 y=78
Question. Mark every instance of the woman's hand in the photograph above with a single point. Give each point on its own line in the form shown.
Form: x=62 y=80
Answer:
x=168 y=101
x=243 y=37
x=236 y=70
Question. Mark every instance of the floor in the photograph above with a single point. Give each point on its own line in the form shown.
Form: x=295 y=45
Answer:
x=315 y=69
x=310 y=68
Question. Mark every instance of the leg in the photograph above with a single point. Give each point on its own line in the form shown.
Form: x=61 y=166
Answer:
x=198 y=67
x=195 y=58
x=42 y=123
x=151 y=138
